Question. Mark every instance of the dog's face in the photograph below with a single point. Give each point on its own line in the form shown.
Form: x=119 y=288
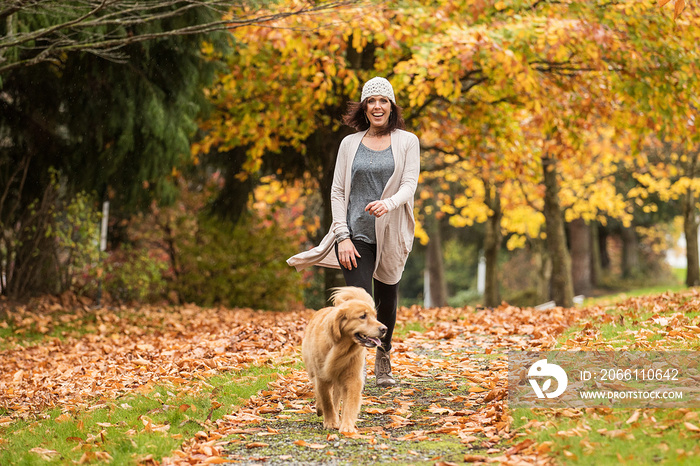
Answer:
x=357 y=320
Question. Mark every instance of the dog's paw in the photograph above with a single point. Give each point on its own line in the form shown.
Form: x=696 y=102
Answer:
x=331 y=423
x=348 y=429
x=319 y=411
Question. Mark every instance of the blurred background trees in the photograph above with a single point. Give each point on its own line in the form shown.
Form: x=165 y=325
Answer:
x=558 y=143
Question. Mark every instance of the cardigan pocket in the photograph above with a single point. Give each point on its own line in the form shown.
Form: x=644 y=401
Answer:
x=401 y=233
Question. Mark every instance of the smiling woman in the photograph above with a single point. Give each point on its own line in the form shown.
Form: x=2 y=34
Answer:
x=374 y=183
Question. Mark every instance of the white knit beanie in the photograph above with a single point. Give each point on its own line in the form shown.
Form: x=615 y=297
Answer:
x=378 y=86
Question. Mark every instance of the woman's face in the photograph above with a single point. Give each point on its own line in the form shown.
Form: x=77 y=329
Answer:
x=378 y=110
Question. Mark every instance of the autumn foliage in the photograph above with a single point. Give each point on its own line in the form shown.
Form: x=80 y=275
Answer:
x=453 y=374
x=501 y=94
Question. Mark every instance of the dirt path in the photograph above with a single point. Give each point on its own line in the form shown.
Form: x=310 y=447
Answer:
x=449 y=407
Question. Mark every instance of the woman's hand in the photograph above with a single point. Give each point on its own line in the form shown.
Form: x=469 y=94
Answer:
x=347 y=254
x=377 y=208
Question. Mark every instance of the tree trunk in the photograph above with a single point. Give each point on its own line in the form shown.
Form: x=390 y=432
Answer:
x=603 y=248
x=492 y=244
x=580 y=244
x=543 y=269
x=232 y=200
x=690 y=227
x=630 y=252
x=596 y=263
x=562 y=285
x=435 y=285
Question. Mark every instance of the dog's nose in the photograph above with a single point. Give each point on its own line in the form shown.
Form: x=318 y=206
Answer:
x=382 y=330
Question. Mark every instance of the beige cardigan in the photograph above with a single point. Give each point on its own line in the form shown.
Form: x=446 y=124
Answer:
x=395 y=230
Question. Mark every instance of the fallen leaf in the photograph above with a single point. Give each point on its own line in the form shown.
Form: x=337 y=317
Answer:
x=257 y=445
x=634 y=417
x=44 y=453
x=316 y=446
x=691 y=427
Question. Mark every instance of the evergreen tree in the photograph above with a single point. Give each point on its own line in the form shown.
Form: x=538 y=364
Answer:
x=115 y=129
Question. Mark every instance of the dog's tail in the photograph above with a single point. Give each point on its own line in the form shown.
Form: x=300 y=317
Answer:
x=346 y=293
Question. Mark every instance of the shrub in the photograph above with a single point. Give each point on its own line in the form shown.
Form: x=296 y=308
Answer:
x=75 y=229
x=242 y=265
x=134 y=275
x=212 y=261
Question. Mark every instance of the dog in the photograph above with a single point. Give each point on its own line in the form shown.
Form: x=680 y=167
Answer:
x=333 y=350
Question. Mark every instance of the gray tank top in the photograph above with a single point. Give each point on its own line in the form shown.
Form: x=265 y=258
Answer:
x=371 y=169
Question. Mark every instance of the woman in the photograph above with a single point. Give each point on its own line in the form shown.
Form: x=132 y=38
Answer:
x=374 y=183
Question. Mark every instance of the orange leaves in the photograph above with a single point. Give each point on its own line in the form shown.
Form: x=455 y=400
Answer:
x=448 y=388
x=315 y=446
x=136 y=348
x=452 y=377
x=678 y=6
x=257 y=445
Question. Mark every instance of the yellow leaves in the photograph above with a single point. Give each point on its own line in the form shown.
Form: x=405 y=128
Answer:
x=664 y=187
x=282 y=78
x=207 y=48
x=421 y=234
x=458 y=221
x=522 y=220
x=358 y=40
x=473 y=212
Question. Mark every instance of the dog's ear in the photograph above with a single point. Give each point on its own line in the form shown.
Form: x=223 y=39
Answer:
x=338 y=323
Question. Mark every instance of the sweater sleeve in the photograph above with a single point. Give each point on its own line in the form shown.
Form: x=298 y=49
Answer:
x=338 y=204
x=409 y=177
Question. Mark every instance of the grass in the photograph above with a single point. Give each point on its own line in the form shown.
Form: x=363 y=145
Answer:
x=132 y=429
x=623 y=326
x=631 y=289
x=595 y=436
x=602 y=437
x=401 y=331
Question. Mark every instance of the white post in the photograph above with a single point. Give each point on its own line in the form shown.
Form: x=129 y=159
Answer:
x=103 y=247
x=427 y=300
x=103 y=230
x=481 y=275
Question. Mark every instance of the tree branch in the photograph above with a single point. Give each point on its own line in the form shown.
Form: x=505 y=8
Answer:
x=81 y=31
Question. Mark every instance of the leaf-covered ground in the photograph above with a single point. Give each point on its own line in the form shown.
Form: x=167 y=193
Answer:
x=449 y=407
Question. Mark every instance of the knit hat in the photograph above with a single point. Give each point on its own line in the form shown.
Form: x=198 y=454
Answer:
x=378 y=86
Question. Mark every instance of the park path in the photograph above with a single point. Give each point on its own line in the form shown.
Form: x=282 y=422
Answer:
x=450 y=406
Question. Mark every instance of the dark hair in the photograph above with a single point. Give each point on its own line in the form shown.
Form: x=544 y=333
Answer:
x=356 y=118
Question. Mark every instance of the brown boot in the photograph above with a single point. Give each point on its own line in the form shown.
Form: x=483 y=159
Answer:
x=382 y=369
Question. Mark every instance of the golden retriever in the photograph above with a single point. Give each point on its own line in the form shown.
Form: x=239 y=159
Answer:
x=333 y=350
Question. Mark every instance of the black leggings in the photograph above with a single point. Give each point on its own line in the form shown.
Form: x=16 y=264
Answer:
x=386 y=297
